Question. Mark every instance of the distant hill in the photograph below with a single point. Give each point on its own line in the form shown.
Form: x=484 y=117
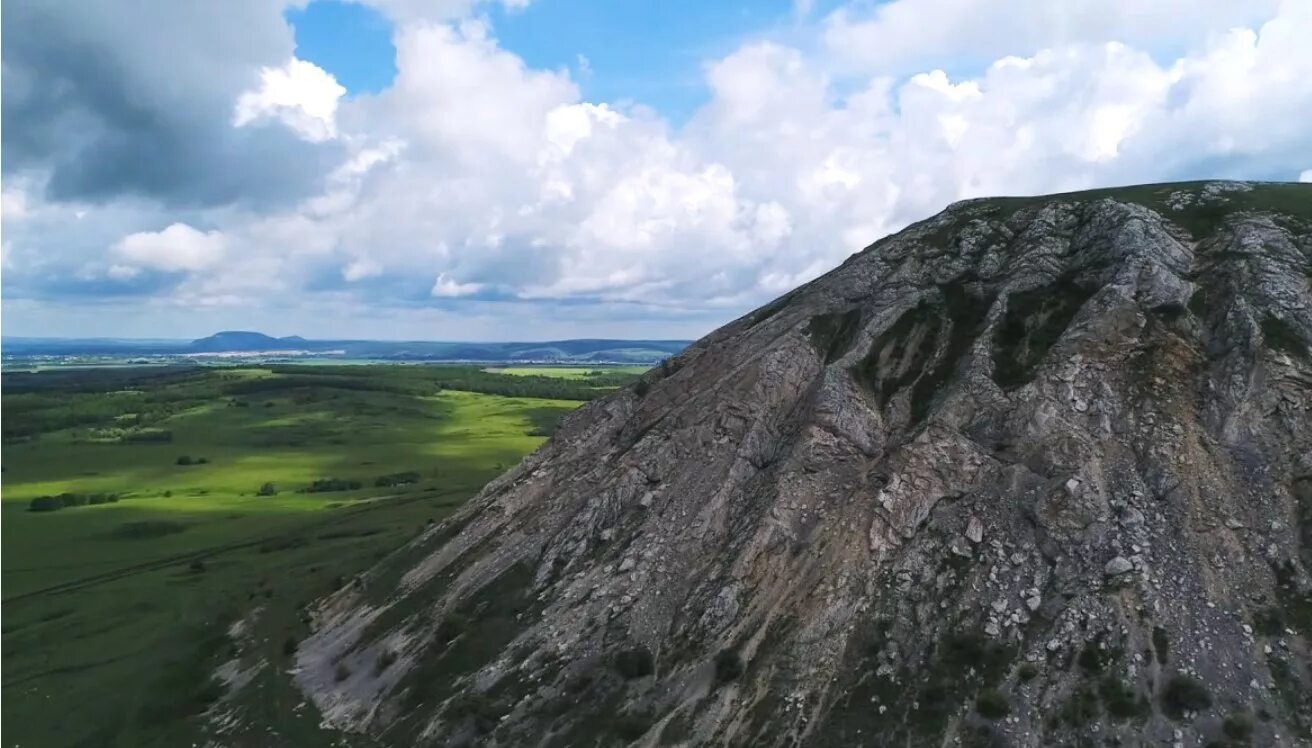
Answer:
x=589 y=351
x=242 y=340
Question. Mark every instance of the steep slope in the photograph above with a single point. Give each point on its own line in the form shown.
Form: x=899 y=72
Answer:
x=1031 y=472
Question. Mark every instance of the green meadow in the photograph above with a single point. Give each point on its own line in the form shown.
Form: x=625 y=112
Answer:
x=568 y=372
x=190 y=505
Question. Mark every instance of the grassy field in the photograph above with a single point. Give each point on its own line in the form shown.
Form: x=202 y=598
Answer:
x=115 y=614
x=567 y=372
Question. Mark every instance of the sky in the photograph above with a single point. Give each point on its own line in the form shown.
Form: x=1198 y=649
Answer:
x=538 y=169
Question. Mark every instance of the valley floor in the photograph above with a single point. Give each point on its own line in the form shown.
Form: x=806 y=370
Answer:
x=189 y=505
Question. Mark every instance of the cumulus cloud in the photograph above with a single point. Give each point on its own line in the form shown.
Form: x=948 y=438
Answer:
x=178 y=247
x=101 y=104
x=903 y=35
x=478 y=181
x=448 y=288
x=299 y=94
x=460 y=97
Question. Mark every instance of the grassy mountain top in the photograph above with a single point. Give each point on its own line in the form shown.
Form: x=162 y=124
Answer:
x=1196 y=206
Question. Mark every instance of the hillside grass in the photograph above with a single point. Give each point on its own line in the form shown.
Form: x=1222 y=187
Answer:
x=1196 y=213
x=115 y=614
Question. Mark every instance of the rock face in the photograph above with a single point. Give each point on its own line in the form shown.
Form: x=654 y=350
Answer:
x=1032 y=472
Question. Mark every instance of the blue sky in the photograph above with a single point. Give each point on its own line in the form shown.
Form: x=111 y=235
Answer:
x=349 y=40
x=545 y=169
x=649 y=53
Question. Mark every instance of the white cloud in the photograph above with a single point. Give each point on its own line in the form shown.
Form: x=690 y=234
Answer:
x=178 y=247
x=1306 y=176
x=459 y=96
x=299 y=94
x=13 y=203
x=361 y=268
x=901 y=35
x=480 y=172
x=446 y=287
x=476 y=172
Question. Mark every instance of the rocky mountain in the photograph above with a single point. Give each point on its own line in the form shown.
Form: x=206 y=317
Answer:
x=1032 y=472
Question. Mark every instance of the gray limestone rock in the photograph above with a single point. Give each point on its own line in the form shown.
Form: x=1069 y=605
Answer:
x=1088 y=376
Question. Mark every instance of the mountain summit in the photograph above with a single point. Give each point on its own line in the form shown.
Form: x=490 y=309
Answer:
x=1031 y=472
x=243 y=340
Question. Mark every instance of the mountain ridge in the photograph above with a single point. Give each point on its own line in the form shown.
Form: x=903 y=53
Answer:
x=227 y=341
x=582 y=350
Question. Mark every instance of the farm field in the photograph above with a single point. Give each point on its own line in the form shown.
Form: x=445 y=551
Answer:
x=197 y=495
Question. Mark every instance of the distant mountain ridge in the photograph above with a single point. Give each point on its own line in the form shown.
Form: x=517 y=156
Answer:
x=587 y=350
x=244 y=340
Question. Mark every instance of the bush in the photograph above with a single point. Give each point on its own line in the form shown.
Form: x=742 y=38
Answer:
x=1184 y=694
x=963 y=651
x=324 y=485
x=196 y=566
x=992 y=705
x=397 y=479
x=45 y=504
x=1269 y=622
x=1094 y=658
x=1080 y=709
x=268 y=489
x=63 y=500
x=1027 y=672
x=632 y=726
x=452 y=626
x=342 y=672
x=385 y=660
x=289 y=646
x=728 y=665
x=1121 y=700
x=484 y=712
x=1238 y=726
x=635 y=663
x=147 y=529
x=148 y=435
x=1161 y=644
x=184 y=460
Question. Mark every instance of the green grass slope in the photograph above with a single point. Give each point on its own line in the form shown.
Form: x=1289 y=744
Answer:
x=115 y=614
